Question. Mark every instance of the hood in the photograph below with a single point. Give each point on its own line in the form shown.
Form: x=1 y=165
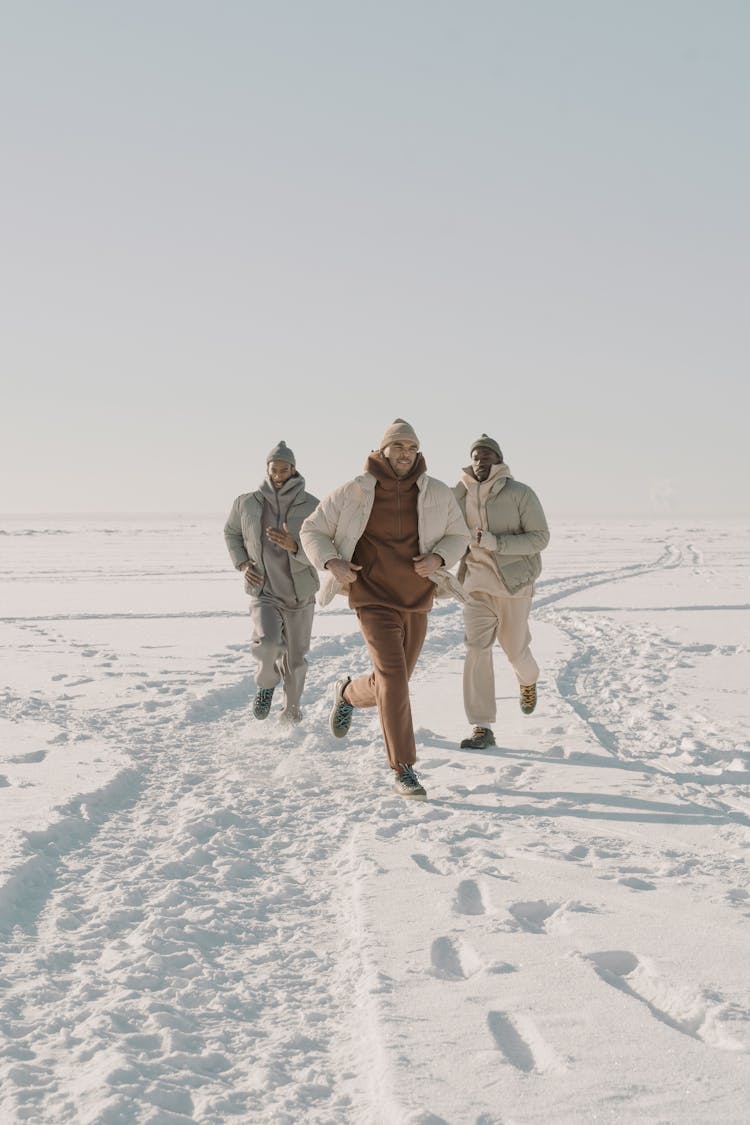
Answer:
x=498 y=475
x=379 y=467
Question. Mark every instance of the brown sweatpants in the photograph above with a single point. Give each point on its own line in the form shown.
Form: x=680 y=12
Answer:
x=394 y=640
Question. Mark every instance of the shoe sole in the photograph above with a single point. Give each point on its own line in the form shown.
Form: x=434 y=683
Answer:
x=412 y=796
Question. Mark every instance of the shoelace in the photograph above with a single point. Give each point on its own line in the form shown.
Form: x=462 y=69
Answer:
x=265 y=694
x=528 y=694
x=343 y=710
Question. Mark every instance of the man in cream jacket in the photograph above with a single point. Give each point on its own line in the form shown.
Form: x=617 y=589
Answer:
x=508 y=532
x=386 y=539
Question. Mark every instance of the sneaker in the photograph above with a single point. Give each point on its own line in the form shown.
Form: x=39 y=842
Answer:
x=341 y=712
x=481 y=738
x=291 y=716
x=262 y=702
x=528 y=698
x=407 y=783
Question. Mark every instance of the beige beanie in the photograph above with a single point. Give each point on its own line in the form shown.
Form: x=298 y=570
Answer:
x=398 y=431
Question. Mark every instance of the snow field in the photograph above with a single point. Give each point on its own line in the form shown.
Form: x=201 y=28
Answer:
x=207 y=919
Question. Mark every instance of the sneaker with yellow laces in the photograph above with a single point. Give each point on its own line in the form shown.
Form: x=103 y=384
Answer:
x=528 y=698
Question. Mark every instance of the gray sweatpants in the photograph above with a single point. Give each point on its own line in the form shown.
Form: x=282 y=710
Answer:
x=280 y=643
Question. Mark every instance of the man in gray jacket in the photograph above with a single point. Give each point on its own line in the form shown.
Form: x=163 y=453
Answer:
x=508 y=531
x=262 y=535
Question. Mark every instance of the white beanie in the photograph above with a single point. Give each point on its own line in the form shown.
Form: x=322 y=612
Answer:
x=398 y=431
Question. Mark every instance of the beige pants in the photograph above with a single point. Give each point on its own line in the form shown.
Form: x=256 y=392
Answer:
x=504 y=619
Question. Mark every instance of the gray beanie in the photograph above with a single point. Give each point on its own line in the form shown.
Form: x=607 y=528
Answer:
x=282 y=452
x=398 y=431
x=487 y=443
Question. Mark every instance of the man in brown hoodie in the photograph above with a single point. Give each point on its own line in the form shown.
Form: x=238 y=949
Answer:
x=386 y=539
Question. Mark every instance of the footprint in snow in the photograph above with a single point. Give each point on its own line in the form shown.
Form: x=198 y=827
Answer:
x=426 y=864
x=637 y=884
x=469 y=899
x=424 y=1117
x=453 y=960
x=510 y=1043
x=533 y=916
x=521 y=1044
x=701 y=1016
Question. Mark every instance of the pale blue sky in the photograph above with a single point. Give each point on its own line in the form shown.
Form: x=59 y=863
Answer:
x=230 y=223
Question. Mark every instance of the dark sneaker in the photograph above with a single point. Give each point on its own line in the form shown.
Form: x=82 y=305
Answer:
x=262 y=702
x=341 y=712
x=407 y=783
x=481 y=738
x=528 y=698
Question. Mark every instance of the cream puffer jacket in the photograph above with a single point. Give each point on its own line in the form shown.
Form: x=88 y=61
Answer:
x=338 y=523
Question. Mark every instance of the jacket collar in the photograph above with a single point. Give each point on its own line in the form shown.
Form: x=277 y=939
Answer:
x=496 y=480
x=286 y=494
x=378 y=466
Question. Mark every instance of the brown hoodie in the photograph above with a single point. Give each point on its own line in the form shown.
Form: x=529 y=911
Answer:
x=390 y=543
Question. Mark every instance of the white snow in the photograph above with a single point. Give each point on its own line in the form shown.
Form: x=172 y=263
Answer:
x=208 y=919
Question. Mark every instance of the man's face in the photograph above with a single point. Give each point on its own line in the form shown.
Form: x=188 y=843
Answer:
x=401 y=456
x=482 y=460
x=279 y=473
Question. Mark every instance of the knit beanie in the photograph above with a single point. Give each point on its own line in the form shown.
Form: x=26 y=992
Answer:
x=488 y=443
x=398 y=431
x=282 y=452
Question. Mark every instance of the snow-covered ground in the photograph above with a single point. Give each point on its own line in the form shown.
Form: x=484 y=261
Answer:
x=208 y=919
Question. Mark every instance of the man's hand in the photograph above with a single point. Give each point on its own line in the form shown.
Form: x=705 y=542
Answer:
x=344 y=572
x=425 y=565
x=282 y=538
x=251 y=575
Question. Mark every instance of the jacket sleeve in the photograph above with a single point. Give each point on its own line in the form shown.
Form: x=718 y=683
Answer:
x=533 y=535
x=233 y=536
x=318 y=532
x=455 y=539
x=300 y=559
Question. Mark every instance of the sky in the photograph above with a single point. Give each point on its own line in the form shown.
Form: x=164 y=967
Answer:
x=226 y=224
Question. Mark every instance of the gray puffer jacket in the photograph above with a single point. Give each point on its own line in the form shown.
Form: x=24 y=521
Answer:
x=517 y=529
x=243 y=537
